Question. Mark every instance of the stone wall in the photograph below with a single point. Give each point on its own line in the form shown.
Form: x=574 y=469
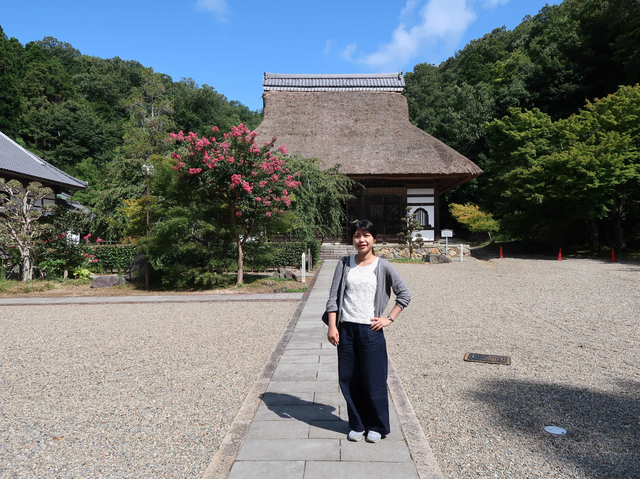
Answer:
x=401 y=251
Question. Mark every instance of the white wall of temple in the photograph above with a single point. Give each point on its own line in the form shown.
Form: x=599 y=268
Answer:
x=422 y=202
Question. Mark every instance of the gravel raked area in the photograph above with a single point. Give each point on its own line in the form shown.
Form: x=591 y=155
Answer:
x=572 y=329
x=144 y=391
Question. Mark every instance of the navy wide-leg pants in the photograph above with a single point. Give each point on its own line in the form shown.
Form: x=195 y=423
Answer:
x=362 y=372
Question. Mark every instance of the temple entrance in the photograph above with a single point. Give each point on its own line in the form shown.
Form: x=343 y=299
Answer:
x=383 y=211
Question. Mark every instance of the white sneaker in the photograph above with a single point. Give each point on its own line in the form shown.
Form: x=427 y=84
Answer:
x=355 y=436
x=373 y=436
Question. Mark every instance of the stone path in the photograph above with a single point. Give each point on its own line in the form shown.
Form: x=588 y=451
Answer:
x=293 y=423
x=166 y=298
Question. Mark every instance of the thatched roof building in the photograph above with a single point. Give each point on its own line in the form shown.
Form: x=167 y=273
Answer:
x=362 y=123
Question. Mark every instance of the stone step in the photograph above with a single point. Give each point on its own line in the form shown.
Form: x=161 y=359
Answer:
x=335 y=251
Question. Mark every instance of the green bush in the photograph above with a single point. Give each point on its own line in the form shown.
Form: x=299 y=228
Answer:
x=290 y=253
x=118 y=257
x=80 y=273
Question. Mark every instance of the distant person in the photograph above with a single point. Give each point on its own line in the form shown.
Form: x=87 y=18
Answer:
x=360 y=292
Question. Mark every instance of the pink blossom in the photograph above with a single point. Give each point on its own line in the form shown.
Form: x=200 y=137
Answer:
x=274 y=177
x=283 y=149
x=258 y=199
x=95 y=260
x=195 y=171
x=268 y=213
x=254 y=173
x=263 y=184
x=99 y=240
x=238 y=213
x=215 y=128
x=231 y=159
x=235 y=181
x=247 y=187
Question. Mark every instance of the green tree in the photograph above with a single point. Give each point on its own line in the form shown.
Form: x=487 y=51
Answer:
x=9 y=86
x=550 y=175
x=318 y=205
x=21 y=227
x=474 y=219
x=408 y=235
x=253 y=183
x=150 y=118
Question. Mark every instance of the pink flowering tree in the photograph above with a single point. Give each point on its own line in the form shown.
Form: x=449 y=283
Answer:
x=251 y=180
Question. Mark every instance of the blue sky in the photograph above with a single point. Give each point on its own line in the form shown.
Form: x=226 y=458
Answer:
x=229 y=45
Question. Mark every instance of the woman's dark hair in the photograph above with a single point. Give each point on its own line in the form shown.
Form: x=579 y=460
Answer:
x=363 y=225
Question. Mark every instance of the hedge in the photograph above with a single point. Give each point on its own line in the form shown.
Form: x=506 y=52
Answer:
x=290 y=253
x=112 y=257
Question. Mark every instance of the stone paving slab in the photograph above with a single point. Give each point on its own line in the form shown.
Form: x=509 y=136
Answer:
x=294 y=387
x=359 y=470
x=268 y=469
x=290 y=450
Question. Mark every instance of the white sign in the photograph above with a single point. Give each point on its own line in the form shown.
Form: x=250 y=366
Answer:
x=446 y=233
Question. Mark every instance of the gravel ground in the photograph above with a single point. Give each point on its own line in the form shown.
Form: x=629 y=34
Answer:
x=140 y=391
x=571 y=329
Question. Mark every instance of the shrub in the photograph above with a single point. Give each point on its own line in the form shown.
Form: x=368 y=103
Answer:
x=112 y=257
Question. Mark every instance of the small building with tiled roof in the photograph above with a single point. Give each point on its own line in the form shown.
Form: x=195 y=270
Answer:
x=20 y=164
x=361 y=122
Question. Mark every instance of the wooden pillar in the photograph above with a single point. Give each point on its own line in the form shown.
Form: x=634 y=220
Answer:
x=436 y=210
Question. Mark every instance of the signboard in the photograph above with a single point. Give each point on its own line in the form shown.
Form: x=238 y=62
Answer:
x=446 y=233
x=487 y=358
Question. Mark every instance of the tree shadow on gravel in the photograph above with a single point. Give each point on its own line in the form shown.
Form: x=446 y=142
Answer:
x=603 y=437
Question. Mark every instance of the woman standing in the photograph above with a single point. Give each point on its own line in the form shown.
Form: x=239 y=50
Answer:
x=360 y=291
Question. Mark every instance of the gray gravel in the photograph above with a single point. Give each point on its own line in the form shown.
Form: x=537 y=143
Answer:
x=571 y=329
x=146 y=390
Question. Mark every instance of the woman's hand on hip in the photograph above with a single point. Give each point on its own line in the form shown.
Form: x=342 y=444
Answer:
x=378 y=323
x=333 y=335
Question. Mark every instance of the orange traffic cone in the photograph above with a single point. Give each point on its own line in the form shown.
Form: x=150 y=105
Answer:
x=613 y=256
x=500 y=253
x=560 y=255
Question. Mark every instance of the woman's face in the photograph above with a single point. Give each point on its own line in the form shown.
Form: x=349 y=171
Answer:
x=363 y=241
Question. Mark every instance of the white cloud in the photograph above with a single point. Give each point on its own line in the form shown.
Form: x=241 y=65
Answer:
x=409 y=8
x=348 y=52
x=438 y=21
x=327 y=47
x=494 y=3
x=218 y=7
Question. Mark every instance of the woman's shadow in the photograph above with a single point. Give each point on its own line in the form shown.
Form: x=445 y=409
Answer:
x=313 y=413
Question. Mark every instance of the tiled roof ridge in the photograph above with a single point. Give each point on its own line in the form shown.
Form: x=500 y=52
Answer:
x=397 y=75
x=387 y=82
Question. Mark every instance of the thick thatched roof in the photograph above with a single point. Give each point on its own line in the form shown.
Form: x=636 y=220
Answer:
x=367 y=132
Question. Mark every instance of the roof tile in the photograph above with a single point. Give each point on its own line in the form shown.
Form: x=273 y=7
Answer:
x=344 y=82
x=15 y=159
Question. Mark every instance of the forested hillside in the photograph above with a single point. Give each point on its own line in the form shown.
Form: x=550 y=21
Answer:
x=515 y=102
x=101 y=119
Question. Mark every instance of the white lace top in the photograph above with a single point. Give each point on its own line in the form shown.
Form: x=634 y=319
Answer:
x=360 y=293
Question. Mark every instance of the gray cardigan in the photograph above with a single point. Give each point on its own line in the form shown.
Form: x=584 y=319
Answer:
x=387 y=279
